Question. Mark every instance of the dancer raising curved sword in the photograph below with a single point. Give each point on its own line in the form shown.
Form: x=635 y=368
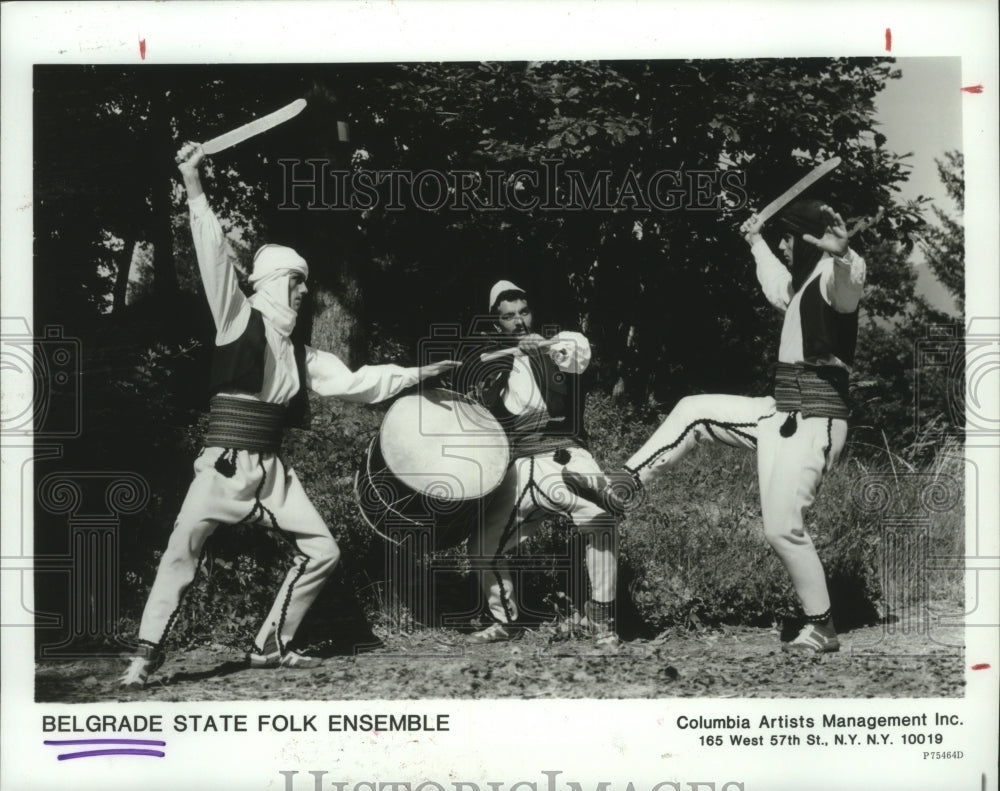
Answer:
x=259 y=380
x=798 y=432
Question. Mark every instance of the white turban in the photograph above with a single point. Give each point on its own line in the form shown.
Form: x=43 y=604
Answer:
x=274 y=260
x=499 y=288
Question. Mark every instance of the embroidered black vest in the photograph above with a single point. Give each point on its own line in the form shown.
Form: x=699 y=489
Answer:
x=239 y=365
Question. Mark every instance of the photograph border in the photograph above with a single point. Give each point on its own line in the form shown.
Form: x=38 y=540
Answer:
x=499 y=744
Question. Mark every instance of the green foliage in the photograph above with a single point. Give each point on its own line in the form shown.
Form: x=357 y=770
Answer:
x=239 y=574
x=908 y=386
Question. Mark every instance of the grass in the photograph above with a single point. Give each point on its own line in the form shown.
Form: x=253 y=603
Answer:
x=693 y=554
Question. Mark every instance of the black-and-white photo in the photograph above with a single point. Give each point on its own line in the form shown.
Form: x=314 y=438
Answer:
x=565 y=278
x=358 y=401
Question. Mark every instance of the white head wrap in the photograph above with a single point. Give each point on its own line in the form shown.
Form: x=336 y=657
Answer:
x=272 y=266
x=498 y=288
x=274 y=260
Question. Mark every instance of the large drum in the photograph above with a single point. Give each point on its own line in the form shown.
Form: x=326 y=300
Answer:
x=436 y=457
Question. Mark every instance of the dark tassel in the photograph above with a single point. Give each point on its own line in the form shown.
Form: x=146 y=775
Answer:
x=226 y=467
x=789 y=426
x=561 y=456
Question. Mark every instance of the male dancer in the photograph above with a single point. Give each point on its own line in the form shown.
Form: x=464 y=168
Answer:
x=537 y=395
x=800 y=431
x=259 y=381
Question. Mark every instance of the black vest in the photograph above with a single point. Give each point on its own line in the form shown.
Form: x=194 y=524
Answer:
x=564 y=395
x=239 y=365
x=825 y=331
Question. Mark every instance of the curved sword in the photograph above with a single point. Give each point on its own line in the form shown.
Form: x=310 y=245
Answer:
x=241 y=133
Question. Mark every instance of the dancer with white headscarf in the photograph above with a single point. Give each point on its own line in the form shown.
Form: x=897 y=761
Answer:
x=259 y=380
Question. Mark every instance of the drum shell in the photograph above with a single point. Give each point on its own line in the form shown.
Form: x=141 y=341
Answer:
x=395 y=511
x=437 y=457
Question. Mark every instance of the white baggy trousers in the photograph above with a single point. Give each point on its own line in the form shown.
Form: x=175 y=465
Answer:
x=260 y=491
x=789 y=470
x=532 y=490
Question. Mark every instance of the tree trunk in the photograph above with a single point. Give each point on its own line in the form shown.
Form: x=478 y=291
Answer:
x=336 y=324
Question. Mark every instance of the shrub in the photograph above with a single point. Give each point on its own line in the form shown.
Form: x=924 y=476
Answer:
x=692 y=554
x=697 y=552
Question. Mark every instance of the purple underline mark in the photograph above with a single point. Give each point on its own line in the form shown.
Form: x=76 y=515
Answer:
x=155 y=742
x=112 y=751
x=95 y=753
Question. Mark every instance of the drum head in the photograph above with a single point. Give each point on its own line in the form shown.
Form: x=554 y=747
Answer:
x=444 y=445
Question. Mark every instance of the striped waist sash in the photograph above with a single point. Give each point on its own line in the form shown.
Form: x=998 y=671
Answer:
x=244 y=424
x=813 y=391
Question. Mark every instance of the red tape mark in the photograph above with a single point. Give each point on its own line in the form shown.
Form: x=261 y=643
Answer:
x=142 y=48
x=981 y=666
x=888 y=39
x=973 y=89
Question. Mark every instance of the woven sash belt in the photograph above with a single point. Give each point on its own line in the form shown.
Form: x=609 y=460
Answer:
x=813 y=391
x=245 y=424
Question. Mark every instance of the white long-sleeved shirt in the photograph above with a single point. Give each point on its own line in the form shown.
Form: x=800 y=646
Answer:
x=841 y=284
x=326 y=374
x=522 y=396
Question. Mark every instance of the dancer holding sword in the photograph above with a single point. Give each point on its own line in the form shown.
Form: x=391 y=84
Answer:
x=259 y=379
x=798 y=432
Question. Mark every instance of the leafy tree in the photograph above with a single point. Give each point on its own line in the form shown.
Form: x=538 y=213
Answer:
x=944 y=246
x=645 y=282
x=909 y=382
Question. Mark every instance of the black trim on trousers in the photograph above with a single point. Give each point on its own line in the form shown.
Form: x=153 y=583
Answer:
x=504 y=538
x=284 y=606
x=180 y=599
x=829 y=444
x=707 y=422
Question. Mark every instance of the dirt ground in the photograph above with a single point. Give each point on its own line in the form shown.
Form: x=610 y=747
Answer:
x=877 y=661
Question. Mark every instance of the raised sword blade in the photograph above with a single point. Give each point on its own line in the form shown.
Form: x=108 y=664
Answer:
x=245 y=132
x=796 y=189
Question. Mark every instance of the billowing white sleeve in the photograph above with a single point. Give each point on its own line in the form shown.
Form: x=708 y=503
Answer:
x=327 y=375
x=844 y=283
x=774 y=278
x=571 y=352
x=229 y=307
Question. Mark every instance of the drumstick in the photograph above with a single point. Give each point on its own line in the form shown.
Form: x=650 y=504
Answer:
x=488 y=356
